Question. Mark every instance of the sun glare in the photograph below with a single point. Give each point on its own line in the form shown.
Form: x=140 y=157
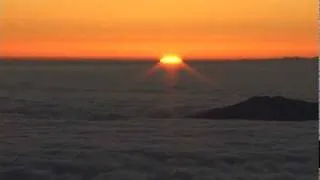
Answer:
x=171 y=60
x=172 y=64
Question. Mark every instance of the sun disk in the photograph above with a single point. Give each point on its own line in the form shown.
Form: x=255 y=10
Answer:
x=171 y=60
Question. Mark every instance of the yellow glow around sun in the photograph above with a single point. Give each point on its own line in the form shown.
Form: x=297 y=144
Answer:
x=171 y=59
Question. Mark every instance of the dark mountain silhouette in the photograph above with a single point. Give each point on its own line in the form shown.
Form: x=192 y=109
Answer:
x=264 y=108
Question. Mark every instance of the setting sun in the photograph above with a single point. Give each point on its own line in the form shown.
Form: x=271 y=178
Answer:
x=171 y=60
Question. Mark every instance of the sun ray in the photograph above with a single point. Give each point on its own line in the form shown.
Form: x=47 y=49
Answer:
x=171 y=78
x=197 y=74
x=151 y=71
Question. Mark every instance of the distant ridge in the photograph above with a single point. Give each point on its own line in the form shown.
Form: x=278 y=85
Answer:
x=264 y=108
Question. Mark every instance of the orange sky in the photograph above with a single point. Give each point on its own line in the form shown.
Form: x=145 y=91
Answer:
x=150 y=28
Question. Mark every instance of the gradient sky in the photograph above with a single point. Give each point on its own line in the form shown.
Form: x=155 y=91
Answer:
x=150 y=28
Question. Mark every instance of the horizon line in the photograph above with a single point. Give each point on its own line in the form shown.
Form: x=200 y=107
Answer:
x=117 y=58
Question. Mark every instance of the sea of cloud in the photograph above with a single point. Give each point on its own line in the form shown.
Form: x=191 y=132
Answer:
x=157 y=149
